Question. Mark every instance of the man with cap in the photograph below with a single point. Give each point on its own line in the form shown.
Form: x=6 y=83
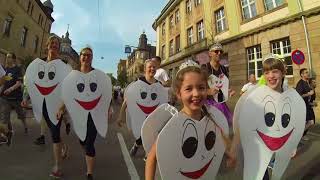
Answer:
x=215 y=68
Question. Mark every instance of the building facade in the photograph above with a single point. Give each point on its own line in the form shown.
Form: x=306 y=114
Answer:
x=67 y=53
x=122 y=66
x=25 y=27
x=248 y=29
x=135 y=62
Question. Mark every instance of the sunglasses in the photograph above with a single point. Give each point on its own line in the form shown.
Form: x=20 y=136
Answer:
x=217 y=51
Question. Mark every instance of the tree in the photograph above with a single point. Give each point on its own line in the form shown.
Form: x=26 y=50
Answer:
x=122 y=79
x=113 y=80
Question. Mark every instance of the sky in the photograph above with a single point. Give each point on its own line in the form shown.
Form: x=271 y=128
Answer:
x=106 y=26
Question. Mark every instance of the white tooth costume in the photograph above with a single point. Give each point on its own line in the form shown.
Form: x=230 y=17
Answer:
x=143 y=98
x=44 y=81
x=269 y=123
x=87 y=93
x=221 y=83
x=186 y=148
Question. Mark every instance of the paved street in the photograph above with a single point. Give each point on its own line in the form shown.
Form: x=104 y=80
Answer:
x=26 y=161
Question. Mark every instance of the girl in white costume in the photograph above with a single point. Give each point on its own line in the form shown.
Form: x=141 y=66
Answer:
x=203 y=133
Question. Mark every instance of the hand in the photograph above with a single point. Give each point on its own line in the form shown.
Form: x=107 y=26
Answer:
x=231 y=92
x=7 y=92
x=24 y=104
x=213 y=91
x=59 y=114
x=310 y=93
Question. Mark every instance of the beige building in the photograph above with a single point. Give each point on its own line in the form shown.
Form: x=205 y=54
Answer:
x=122 y=66
x=135 y=62
x=25 y=27
x=248 y=29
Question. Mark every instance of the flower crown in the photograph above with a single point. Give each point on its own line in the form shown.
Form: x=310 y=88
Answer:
x=188 y=63
x=275 y=56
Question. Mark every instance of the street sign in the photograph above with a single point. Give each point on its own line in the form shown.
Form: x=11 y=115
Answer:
x=297 y=57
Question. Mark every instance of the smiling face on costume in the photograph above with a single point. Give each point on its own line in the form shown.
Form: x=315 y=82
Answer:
x=88 y=93
x=193 y=91
x=46 y=80
x=270 y=123
x=148 y=98
x=217 y=82
x=197 y=147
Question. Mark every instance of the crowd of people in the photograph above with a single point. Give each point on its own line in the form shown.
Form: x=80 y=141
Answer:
x=189 y=86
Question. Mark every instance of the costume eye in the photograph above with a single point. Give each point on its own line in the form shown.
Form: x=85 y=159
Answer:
x=41 y=70
x=210 y=140
x=52 y=72
x=189 y=141
x=269 y=113
x=80 y=85
x=93 y=87
x=154 y=96
x=143 y=95
x=286 y=115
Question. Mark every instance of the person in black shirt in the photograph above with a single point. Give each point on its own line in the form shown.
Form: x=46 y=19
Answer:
x=304 y=89
x=214 y=67
x=11 y=95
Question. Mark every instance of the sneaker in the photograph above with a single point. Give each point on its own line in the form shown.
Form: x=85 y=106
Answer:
x=9 y=136
x=89 y=177
x=57 y=174
x=68 y=128
x=134 y=149
x=40 y=140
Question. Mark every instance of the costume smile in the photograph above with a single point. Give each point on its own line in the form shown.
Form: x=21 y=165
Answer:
x=90 y=104
x=274 y=143
x=197 y=174
x=147 y=110
x=45 y=90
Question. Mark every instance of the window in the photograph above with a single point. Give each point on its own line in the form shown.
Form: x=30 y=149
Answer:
x=35 y=43
x=189 y=6
x=190 y=36
x=177 y=16
x=197 y=2
x=200 y=29
x=171 y=21
x=178 y=43
x=270 y=4
x=7 y=26
x=31 y=11
x=171 y=48
x=220 y=20
x=283 y=48
x=23 y=36
x=29 y=6
x=248 y=9
x=163 y=29
x=163 y=52
x=254 y=57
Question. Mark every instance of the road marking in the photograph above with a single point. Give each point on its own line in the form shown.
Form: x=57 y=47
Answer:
x=131 y=168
